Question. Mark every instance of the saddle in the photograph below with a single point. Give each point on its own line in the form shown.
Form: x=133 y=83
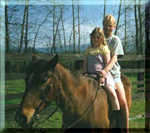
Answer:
x=95 y=76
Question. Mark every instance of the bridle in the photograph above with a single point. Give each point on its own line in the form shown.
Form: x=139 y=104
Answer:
x=85 y=112
x=37 y=110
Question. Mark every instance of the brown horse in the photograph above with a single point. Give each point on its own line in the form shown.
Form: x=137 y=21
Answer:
x=83 y=106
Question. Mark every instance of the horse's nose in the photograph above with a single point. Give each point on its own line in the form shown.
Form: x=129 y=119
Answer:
x=20 y=118
x=17 y=115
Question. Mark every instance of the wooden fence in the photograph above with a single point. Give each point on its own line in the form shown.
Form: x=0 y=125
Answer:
x=130 y=65
x=133 y=64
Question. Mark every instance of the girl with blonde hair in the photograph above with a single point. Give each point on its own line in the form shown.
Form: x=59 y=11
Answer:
x=97 y=57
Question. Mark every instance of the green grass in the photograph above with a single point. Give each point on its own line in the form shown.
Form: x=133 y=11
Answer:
x=13 y=101
x=138 y=107
x=18 y=86
x=14 y=86
x=139 y=123
x=138 y=104
x=53 y=122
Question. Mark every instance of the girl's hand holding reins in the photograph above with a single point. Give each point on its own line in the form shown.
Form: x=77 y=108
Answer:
x=104 y=73
x=102 y=81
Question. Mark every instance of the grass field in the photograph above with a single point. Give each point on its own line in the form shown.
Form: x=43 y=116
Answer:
x=137 y=118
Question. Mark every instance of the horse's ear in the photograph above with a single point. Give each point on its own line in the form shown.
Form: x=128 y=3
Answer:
x=34 y=57
x=53 y=61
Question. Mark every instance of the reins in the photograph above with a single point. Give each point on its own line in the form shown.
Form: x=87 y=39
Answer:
x=85 y=112
x=51 y=114
x=38 y=111
x=89 y=107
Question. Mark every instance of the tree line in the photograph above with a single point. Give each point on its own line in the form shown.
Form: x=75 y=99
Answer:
x=56 y=16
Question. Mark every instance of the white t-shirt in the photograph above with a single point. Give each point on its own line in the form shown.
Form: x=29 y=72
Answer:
x=116 y=48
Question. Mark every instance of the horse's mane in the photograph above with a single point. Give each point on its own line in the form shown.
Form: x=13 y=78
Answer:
x=78 y=91
x=79 y=88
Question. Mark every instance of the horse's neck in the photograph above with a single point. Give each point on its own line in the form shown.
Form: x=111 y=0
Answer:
x=73 y=95
x=66 y=85
x=66 y=79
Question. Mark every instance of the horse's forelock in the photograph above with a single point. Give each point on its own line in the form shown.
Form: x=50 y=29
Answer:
x=39 y=66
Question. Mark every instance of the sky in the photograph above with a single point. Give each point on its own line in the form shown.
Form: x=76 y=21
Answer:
x=69 y=2
x=91 y=14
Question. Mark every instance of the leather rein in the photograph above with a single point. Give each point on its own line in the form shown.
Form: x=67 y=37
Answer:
x=86 y=111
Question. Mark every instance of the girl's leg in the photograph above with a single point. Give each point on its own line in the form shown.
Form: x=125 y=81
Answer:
x=115 y=113
x=113 y=98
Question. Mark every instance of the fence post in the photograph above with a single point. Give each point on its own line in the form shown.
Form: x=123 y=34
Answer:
x=140 y=77
x=78 y=64
x=7 y=66
x=140 y=80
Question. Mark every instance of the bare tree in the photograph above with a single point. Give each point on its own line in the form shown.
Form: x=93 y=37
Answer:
x=60 y=40
x=79 y=28
x=55 y=30
x=125 y=28
x=104 y=7
x=38 y=29
x=22 y=31
x=119 y=14
x=74 y=32
x=147 y=34
x=140 y=28
x=53 y=49
x=7 y=29
x=48 y=43
x=136 y=25
x=26 y=26
x=70 y=38
x=63 y=28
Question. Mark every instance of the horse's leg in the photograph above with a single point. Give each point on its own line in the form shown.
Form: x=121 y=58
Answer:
x=103 y=130
x=127 y=87
x=65 y=120
x=63 y=123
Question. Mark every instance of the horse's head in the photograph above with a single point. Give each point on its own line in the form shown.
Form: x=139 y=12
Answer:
x=39 y=90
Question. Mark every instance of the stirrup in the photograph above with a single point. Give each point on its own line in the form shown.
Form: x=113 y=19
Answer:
x=102 y=84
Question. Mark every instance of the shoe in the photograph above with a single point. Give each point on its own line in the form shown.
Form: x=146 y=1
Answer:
x=114 y=118
x=101 y=84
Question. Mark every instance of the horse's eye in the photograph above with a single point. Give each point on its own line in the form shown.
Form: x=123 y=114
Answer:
x=44 y=79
